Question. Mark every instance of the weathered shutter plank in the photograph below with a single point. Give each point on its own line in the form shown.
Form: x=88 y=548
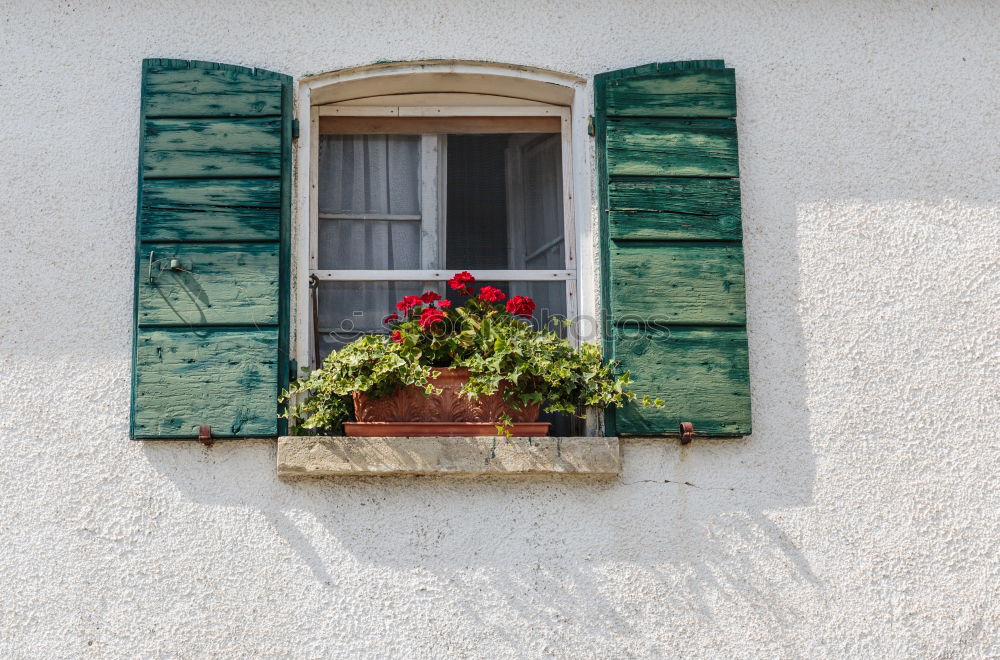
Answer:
x=702 y=372
x=203 y=79
x=178 y=164
x=671 y=253
x=199 y=147
x=225 y=378
x=232 y=223
x=222 y=135
x=693 y=283
x=203 y=89
x=212 y=252
x=707 y=92
x=674 y=208
x=217 y=283
x=174 y=193
x=219 y=105
x=651 y=226
x=672 y=147
x=676 y=195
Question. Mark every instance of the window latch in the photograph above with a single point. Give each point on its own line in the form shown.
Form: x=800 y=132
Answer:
x=175 y=265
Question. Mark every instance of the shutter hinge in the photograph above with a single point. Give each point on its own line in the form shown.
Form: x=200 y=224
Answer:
x=293 y=370
x=295 y=129
x=591 y=131
x=205 y=435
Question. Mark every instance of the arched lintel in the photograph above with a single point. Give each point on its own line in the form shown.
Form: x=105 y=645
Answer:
x=443 y=76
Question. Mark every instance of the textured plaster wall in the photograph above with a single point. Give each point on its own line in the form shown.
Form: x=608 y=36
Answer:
x=860 y=520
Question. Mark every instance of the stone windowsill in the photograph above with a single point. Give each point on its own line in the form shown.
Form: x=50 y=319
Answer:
x=315 y=456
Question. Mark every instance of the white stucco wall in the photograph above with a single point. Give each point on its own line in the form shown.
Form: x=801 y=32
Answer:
x=860 y=520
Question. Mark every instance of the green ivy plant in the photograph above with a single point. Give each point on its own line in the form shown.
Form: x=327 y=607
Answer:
x=489 y=336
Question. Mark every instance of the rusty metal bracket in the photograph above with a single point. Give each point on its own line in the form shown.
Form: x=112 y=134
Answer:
x=205 y=435
x=687 y=432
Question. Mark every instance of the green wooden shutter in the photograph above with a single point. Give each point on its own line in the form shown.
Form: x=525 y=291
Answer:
x=212 y=250
x=671 y=251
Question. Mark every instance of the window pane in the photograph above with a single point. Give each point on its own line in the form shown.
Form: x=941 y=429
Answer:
x=349 y=309
x=505 y=202
x=550 y=301
x=477 y=202
x=368 y=244
x=542 y=197
x=369 y=174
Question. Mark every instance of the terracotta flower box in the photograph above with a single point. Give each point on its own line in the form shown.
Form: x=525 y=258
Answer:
x=410 y=412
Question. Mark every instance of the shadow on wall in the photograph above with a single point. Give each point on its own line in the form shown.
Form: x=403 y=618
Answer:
x=692 y=530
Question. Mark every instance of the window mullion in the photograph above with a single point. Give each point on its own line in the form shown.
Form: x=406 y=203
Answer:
x=429 y=202
x=368 y=216
x=429 y=235
x=442 y=275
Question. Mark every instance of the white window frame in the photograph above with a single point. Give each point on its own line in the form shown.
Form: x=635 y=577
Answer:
x=432 y=211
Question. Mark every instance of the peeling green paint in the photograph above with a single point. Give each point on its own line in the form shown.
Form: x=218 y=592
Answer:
x=671 y=252
x=212 y=253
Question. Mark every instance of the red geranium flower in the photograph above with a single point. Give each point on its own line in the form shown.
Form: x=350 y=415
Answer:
x=390 y=318
x=444 y=304
x=521 y=306
x=430 y=296
x=490 y=294
x=409 y=302
x=461 y=281
x=429 y=317
x=396 y=337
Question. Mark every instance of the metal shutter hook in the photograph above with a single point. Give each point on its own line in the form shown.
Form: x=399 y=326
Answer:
x=687 y=432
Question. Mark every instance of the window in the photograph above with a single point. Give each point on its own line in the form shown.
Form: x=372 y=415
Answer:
x=406 y=172
x=407 y=195
x=653 y=264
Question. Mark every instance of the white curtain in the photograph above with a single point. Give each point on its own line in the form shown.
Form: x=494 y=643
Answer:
x=536 y=219
x=359 y=176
